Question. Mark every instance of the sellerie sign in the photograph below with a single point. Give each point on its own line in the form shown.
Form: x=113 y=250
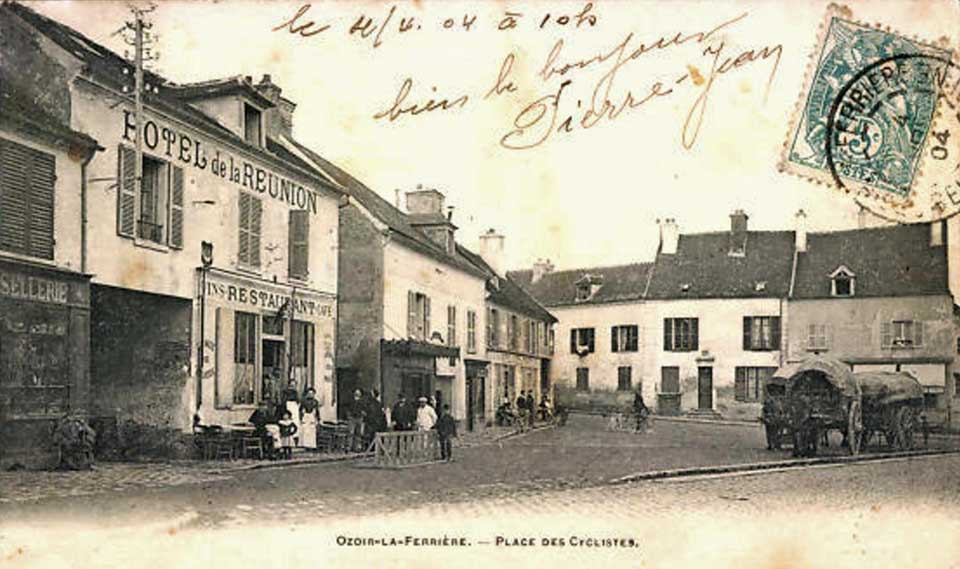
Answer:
x=181 y=146
x=38 y=289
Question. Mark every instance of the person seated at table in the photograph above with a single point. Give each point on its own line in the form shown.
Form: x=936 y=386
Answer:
x=264 y=421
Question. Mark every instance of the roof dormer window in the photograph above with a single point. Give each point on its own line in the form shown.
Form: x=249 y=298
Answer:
x=587 y=286
x=252 y=125
x=842 y=282
x=583 y=291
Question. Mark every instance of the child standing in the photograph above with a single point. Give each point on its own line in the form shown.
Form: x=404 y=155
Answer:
x=287 y=431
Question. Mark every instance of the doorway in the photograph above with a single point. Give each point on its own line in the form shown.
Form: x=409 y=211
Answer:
x=705 y=388
x=272 y=369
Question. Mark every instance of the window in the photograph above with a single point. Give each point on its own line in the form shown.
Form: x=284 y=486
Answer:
x=581 y=341
x=670 y=379
x=530 y=340
x=471 y=332
x=245 y=357
x=27 y=179
x=252 y=124
x=749 y=382
x=761 y=333
x=302 y=350
x=451 y=325
x=901 y=334
x=159 y=202
x=299 y=244
x=583 y=292
x=583 y=379
x=251 y=216
x=623 y=338
x=818 y=337
x=842 y=282
x=680 y=334
x=418 y=316
x=512 y=332
x=493 y=328
x=624 y=379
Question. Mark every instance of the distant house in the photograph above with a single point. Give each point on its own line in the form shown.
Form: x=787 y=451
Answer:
x=877 y=299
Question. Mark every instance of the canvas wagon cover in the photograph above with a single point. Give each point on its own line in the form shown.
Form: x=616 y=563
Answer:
x=886 y=387
x=784 y=373
x=837 y=373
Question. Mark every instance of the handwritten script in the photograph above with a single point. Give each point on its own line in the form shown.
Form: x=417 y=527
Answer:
x=575 y=93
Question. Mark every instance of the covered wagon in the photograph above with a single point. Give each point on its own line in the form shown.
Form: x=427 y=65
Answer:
x=822 y=394
x=892 y=407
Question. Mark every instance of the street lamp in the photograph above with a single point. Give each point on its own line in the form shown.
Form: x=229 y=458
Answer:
x=206 y=261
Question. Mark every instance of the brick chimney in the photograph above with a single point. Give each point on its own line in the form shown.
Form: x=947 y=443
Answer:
x=491 y=250
x=425 y=212
x=541 y=268
x=738 y=233
x=279 y=119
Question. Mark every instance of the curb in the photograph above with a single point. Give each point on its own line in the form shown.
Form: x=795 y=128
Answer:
x=773 y=464
x=723 y=422
x=289 y=463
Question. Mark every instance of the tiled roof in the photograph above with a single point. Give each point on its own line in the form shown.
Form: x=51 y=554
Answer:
x=19 y=112
x=220 y=87
x=886 y=261
x=558 y=288
x=107 y=68
x=704 y=268
x=508 y=293
x=396 y=220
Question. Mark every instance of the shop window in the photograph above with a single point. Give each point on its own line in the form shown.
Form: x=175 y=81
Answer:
x=27 y=179
x=681 y=334
x=624 y=338
x=582 y=341
x=299 y=244
x=471 y=332
x=251 y=216
x=418 y=316
x=749 y=382
x=901 y=334
x=818 y=337
x=155 y=212
x=583 y=379
x=761 y=333
x=252 y=125
x=624 y=378
x=244 y=358
x=670 y=379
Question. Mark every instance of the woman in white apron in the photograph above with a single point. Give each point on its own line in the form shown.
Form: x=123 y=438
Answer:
x=309 y=417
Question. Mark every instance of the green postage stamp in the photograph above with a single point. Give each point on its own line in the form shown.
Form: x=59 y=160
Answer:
x=879 y=118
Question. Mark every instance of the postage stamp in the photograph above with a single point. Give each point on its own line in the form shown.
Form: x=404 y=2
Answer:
x=877 y=119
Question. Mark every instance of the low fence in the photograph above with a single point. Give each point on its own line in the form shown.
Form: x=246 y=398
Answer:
x=405 y=448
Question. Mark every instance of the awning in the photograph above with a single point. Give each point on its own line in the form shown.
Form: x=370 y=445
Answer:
x=418 y=348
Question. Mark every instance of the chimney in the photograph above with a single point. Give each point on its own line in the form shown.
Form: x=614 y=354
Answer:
x=279 y=119
x=800 y=228
x=491 y=250
x=669 y=236
x=936 y=233
x=541 y=268
x=396 y=198
x=424 y=201
x=738 y=222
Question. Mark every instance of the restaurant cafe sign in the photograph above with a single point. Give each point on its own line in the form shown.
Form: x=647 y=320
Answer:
x=180 y=146
x=256 y=297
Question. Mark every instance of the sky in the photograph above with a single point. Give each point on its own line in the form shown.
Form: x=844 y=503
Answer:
x=584 y=198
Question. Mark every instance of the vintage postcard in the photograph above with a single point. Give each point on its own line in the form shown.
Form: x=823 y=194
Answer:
x=440 y=284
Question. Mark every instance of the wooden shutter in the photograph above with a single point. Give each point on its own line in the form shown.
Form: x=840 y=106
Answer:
x=812 y=336
x=775 y=333
x=175 y=235
x=126 y=191
x=747 y=333
x=694 y=334
x=411 y=314
x=886 y=334
x=27 y=182
x=427 y=328
x=740 y=384
x=256 y=218
x=243 y=248
x=591 y=337
x=918 y=332
x=667 y=334
x=613 y=339
x=299 y=241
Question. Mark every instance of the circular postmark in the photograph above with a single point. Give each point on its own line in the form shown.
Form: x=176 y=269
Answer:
x=893 y=138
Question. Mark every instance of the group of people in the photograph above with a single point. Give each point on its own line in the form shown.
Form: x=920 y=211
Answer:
x=423 y=417
x=526 y=410
x=290 y=422
x=366 y=418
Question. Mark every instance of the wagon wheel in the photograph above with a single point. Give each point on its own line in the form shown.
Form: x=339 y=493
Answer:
x=854 y=427
x=903 y=428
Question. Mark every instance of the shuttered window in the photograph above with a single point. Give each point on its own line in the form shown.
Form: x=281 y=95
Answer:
x=161 y=200
x=251 y=215
x=749 y=382
x=27 y=181
x=681 y=334
x=761 y=333
x=471 y=331
x=418 y=316
x=299 y=239
x=126 y=191
x=901 y=334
